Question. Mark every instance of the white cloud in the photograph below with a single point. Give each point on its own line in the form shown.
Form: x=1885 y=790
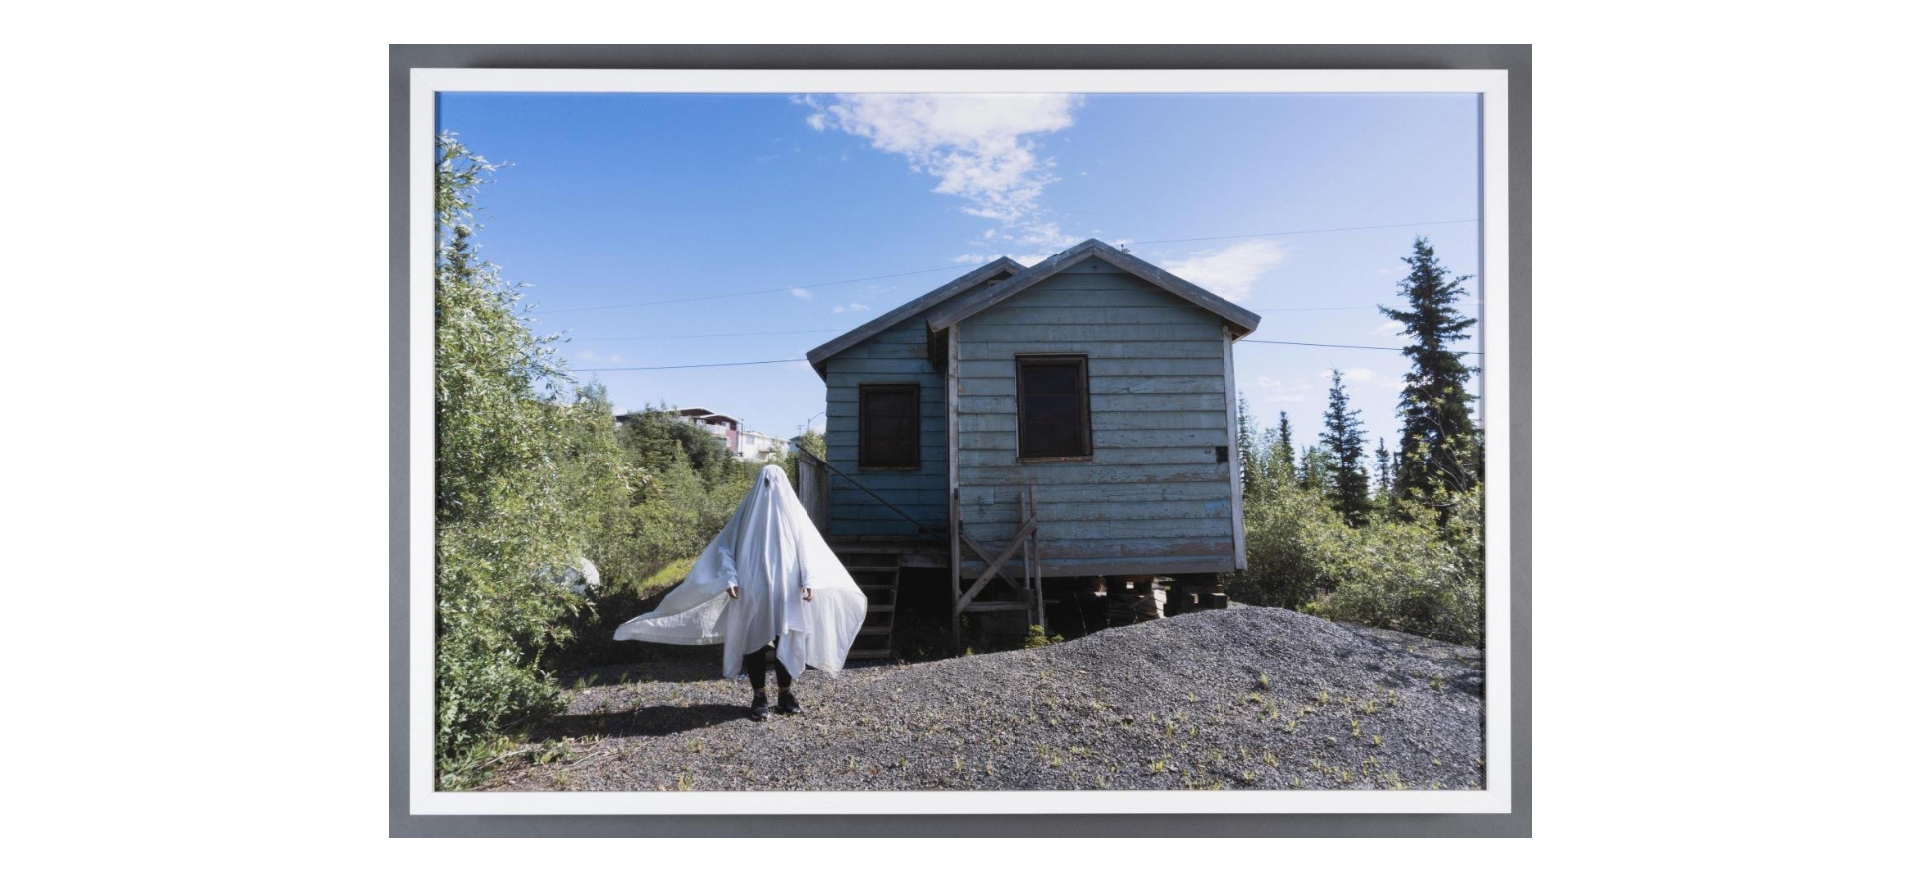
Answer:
x=589 y=355
x=1276 y=391
x=1359 y=377
x=1390 y=328
x=803 y=293
x=851 y=307
x=981 y=147
x=1230 y=271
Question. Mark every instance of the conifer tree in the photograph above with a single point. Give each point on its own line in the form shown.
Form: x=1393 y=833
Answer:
x=1440 y=446
x=1346 y=449
x=1383 y=471
x=1282 y=452
x=1249 y=463
x=1316 y=471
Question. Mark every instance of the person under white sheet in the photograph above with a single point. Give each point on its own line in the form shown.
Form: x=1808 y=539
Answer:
x=767 y=579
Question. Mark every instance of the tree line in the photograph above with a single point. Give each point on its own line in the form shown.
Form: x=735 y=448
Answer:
x=1390 y=538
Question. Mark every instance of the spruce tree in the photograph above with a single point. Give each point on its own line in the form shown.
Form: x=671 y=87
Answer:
x=1248 y=463
x=1383 y=471
x=1439 y=442
x=1316 y=471
x=1346 y=449
x=1282 y=452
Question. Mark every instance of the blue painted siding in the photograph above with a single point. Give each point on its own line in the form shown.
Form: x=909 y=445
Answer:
x=1154 y=499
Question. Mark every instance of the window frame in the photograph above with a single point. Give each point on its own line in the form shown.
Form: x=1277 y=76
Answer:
x=913 y=393
x=1020 y=363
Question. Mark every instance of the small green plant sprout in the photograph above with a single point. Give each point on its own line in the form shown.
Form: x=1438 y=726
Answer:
x=1037 y=638
x=1247 y=776
x=1434 y=682
x=1157 y=766
x=696 y=745
x=1253 y=697
x=1355 y=724
x=685 y=782
x=1266 y=682
x=1192 y=698
x=1295 y=783
x=1376 y=740
x=1369 y=707
x=1271 y=760
x=959 y=764
x=1321 y=697
x=1292 y=725
x=989 y=767
x=1436 y=761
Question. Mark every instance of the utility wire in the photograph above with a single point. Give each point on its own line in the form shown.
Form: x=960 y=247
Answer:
x=793 y=360
x=1339 y=346
x=706 y=336
x=686 y=366
x=1300 y=232
x=951 y=266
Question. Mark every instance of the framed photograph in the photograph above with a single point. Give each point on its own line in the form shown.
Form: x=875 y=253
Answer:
x=958 y=442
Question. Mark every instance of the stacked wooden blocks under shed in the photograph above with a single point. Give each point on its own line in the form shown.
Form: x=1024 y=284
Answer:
x=1189 y=593
x=1133 y=599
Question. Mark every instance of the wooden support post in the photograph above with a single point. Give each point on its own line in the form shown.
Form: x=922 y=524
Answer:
x=1033 y=553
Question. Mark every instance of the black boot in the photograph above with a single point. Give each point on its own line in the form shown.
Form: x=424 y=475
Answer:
x=758 y=712
x=789 y=705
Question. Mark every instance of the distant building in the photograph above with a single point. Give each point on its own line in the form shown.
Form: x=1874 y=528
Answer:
x=752 y=446
x=758 y=446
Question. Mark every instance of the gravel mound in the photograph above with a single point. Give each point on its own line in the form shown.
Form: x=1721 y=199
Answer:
x=1236 y=698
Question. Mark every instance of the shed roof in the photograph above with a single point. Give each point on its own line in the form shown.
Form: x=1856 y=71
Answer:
x=1003 y=267
x=1243 y=320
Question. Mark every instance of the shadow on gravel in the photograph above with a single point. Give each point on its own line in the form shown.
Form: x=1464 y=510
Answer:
x=644 y=721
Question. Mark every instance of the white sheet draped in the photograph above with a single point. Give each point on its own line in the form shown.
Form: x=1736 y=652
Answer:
x=771 y=551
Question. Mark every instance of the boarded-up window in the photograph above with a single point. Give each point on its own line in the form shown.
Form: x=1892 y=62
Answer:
x=890 y=426
x=1053 y=407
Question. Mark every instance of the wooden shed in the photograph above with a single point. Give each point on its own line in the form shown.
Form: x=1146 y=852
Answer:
x=1070 y=419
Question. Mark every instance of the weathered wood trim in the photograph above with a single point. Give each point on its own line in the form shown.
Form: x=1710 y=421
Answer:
x=819 y=355
x=1233 y=453
x=958 y=310
x=953 y=471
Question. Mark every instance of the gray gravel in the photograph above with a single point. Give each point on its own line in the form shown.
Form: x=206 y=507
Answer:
x=1169 y=704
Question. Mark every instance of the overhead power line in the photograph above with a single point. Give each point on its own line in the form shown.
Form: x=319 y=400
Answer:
x=1340 y=346
x=966 y=267
x=793 y=360
x=686 y=366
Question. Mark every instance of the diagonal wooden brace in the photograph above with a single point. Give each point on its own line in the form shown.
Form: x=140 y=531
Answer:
x=1013 y=544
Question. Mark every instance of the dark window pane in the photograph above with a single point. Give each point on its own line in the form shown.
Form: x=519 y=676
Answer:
x=1053 y=407
x=890 y=426
x=1051 y=379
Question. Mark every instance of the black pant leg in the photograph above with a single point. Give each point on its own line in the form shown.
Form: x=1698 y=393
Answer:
x=780 y=673
x=756 y=664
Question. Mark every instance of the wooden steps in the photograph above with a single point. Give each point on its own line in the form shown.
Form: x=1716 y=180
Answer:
x=877 y=571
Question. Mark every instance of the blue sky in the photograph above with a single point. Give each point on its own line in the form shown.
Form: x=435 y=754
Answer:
x=612 y=200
